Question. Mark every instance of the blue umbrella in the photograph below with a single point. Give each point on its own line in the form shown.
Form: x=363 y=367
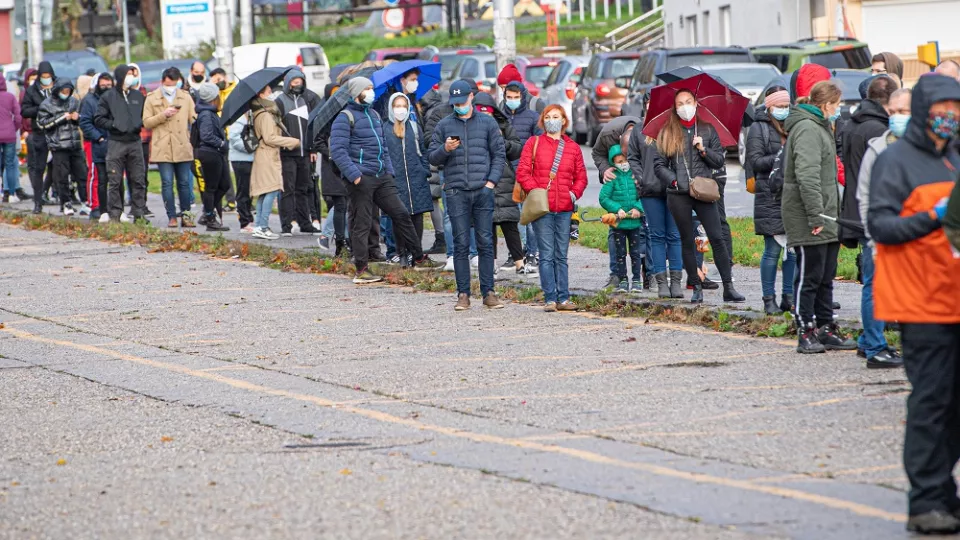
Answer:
x=390 y=76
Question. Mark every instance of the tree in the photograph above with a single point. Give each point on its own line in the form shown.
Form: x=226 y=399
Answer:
x=148 y=13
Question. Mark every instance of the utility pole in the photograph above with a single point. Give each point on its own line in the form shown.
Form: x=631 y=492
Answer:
x=224 y=33
x=125 y=21
x=246 y=22
x=504 y=33
x=35 y=31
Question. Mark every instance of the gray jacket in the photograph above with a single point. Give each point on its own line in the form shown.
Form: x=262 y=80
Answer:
x=876 y=147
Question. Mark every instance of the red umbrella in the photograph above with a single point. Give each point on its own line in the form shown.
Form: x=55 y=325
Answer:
x=717 y=104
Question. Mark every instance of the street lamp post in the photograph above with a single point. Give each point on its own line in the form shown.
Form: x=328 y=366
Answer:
x=246 y=22
x=35 y=31
x=504 y=33
x=224 y=35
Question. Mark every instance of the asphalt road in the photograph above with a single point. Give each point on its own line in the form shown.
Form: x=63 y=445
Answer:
x=739 y=202
x=169 y=395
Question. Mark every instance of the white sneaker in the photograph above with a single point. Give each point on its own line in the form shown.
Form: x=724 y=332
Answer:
x=104 y=218
x=14 y=198
x=248 y=229
x=264 y=234
x=449 y=266
x=475 y=261
x=67 y=209
x=84 y=210
x=294 y=227
x=316 y=225
x=124 y=218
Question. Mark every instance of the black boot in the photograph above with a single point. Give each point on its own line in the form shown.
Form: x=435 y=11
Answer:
x=37 y=208
x=709 y=285
x=439 y=246
x=770 y=305
x=23 y=195
x=833 y=339
x=809 y=343
x=341 y=248
x=697 y=296
x=730 y=294
x=786 y=303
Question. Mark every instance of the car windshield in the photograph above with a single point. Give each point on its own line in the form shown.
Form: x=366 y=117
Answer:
x=856 y=58
x=400 y=56
x=538 y=74
x=738 y=77
x=680 y=60
x=618 y=67
x=490 y=68
x=78 y=65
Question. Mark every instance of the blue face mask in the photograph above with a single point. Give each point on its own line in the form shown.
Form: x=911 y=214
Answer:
x=461 y=110
x=513 y=104
x=835 y=116
x=898 y=124
x=46 y=81
x=780 y=113
x=179 y=84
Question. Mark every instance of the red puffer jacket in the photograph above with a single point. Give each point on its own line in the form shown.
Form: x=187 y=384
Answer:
x=535 y=173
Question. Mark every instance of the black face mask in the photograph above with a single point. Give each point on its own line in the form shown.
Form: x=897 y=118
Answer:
x=100 y=89
x=198 y=78
x=296 y=90
x=222 y=84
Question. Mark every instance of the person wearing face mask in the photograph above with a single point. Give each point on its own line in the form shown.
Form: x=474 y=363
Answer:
x=406 y=84
x=764 y=141
x=219 y=77
x=408 y=153
x=169 y=112
x=37 y=151
x=265 y=174
x=95 y=146
x=295 y=104
x=120 y=112
x=197 y=74
x=619 y=197
x=525 y=122
x=210 y=152
x=510 y=75
x=470 y=149
x=810 y=192
x=10 y=121
x=690 y=148
x=358 y=148
x=915 y=284
x=59 y=118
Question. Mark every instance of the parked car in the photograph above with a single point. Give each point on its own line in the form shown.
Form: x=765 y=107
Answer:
x=151 y=72
x=480 y=67
x=450 y=57
x=72 y=64
x=560 y=88
x=535 y=72
x=833 y=53
x=658 y=61
x=11 y=73
x=395 y=53
x=308 y=56
x=598 y=99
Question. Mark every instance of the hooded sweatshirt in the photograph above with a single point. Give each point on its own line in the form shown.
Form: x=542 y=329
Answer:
x=27 y=124
x=61 y=132
x=88 y=109
x=621 y=193
x=120 y=110
x=34 y=96
x=295 y=110
x=915 y=280
x=409 y=157
x=10 y=119
x=869 y=122
x=893 y=63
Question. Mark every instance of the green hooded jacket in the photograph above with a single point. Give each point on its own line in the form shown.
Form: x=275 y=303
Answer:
x=621 y=194
x=810 y=185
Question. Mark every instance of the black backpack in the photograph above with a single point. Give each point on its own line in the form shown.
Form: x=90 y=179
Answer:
x=249 y=137
x=776 y=175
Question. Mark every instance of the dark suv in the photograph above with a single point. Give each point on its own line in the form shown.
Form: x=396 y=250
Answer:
x=598 y=99
x=657 y=61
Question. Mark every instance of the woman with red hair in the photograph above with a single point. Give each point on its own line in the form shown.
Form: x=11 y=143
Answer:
x=554 y=162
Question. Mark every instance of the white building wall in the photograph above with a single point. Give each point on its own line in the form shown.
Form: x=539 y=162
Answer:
x=751 y=22
x=899 y=26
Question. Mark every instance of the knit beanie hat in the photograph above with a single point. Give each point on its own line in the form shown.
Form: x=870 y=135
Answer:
x=777 y=99
x=509 y=74
x=357 y=85
x=207 y=92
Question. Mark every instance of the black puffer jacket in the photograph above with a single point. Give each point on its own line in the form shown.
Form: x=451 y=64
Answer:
x=34 y=95
x=869 y=122
x=643 y=162
x=505 y=208
x=120 y=112
x=674 y=174
x=61 y=132
x=331 y=185
x=763 y=144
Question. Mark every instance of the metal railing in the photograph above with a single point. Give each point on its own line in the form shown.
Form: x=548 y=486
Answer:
x=638 y=33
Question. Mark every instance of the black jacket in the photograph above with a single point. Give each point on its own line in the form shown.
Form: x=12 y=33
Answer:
x=869 y=122
x=34 y=96
x=763 y=144
x=211 y=134
x=643 y=163
x=672 y=171
x=61 y=132
x=295 y=109
x=120 y=112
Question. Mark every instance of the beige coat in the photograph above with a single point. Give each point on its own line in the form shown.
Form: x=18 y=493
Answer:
x=171 y=136
x=267 y=175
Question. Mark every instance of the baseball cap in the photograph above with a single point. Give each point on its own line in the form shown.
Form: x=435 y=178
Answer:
x=459 y=92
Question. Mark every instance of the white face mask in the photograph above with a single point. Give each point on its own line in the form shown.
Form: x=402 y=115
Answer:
x=129 y=81
x=687 y=112
x=625 y=167
x=169 y=90
x=411 y=86
x=368 y=97
x=400 y=113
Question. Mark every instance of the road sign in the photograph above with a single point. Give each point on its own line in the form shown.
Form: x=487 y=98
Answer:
x=393 y=19
x=929 y=54
x=186 y=24
x=392 y=3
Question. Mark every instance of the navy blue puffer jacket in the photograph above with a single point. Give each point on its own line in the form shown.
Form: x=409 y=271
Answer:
x=359 y=150
x=479 y=159
x=409 y=156
x=524 y=121
x=88 y=108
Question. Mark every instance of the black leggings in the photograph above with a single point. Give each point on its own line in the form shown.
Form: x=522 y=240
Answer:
x=417 y=228
x=338 y=203
x=511 y=235
x=682 y=207
x=216 y=180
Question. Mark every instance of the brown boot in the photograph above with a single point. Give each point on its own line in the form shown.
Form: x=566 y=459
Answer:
x=463 y=302
x=491 y=301
x=566 y=306
x=172 y=223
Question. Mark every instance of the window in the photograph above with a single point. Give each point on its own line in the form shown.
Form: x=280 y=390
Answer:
x=593 y=70
x=619 y=67
x=780 y=61
x=555 y=74
x=817 y=8
x=679 y=60
x=725 y=37
x=312 y=56
x=669 y=34
x=468 y=69
x=707 y=40
x=692 y=36
x=858 y=58
x=490 y=68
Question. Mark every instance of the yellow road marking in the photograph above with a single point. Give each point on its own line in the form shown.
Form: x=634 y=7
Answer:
x=585 y=455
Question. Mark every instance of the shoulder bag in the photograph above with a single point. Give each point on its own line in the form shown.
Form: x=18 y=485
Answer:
x=701 y=188
x=537 y=203
x=518 y=193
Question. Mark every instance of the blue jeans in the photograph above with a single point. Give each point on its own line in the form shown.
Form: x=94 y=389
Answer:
x=11 y=167
x=265 y=208
x=472 y=210
x=664 y=236
x=448 y=231
x=768 y=268
x=872 y=340
x=386 y=232
x=553 y=238
x=184 y=176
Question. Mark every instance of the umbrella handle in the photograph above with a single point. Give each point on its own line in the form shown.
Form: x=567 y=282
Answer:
x=583 y=217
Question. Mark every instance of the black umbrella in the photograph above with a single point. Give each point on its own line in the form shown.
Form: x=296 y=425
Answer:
x=321 y=117
x=850 y=224
x=238 y=102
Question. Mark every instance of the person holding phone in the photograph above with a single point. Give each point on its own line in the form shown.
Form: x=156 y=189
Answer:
x=169 y=111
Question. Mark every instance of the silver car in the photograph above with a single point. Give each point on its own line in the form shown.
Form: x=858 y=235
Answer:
x=560 y=86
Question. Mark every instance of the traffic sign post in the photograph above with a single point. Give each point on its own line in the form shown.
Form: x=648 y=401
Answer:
x=929 y=54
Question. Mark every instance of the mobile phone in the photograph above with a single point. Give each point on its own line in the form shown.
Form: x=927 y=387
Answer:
x=455 y=137
x=177 y=107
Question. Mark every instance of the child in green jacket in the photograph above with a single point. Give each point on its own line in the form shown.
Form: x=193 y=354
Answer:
x=620 y=197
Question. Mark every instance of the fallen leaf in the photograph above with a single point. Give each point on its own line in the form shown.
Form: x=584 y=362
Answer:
x=630 y=339
x=177 y=286
x=166 y=439
x=346 y=472
x=1 y=324
x=61 y=462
